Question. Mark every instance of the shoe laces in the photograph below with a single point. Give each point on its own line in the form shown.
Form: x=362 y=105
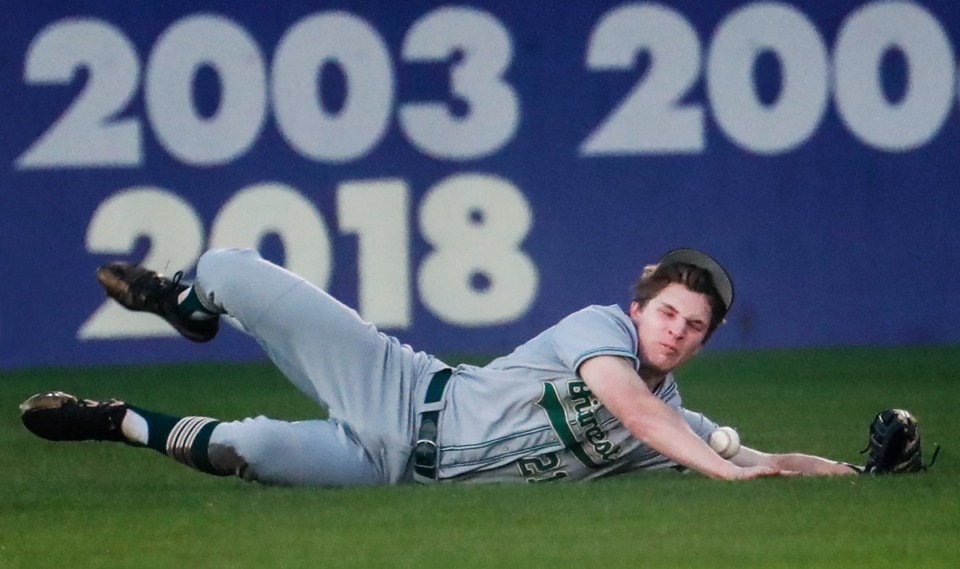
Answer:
x=95 y=419
x=152 y=287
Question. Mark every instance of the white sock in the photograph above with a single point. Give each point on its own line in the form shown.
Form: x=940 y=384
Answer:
x=135 y=428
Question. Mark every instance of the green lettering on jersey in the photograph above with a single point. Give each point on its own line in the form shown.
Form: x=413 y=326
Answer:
x=584 y=404
x=542 y=468
x=550 y=401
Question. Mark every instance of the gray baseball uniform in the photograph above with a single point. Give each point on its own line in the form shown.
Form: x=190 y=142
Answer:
x=528 y=415
x=525 y=416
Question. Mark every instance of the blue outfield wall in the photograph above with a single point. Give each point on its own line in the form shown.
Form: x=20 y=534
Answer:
x=466 y=174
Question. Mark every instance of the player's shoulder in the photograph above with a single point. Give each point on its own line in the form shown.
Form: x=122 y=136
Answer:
x=602 y=323
x=601 y=313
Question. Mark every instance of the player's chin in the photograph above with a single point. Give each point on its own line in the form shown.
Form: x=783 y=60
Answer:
x=665 y=363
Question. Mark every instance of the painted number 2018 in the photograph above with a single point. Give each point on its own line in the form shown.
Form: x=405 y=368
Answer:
x=476 y=273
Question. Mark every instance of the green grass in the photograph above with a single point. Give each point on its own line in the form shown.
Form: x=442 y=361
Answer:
x=102 y=505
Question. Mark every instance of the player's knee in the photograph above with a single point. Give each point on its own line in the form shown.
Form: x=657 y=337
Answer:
x=219 y=261
x=249 y=447
x=220 y=276
x=226 y=459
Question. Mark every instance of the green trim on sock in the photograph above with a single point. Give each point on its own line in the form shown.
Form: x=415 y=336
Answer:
x=191 y=304
x=159 y=426
x=158 y=438
x=198 y=451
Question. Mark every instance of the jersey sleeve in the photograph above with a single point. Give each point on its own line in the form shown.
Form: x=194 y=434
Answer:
x=700 y=423
x=595 y=331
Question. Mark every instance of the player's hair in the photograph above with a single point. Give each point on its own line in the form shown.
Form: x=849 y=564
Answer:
x=656 y=278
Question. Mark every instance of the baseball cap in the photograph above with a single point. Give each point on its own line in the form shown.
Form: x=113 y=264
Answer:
x=721 y=279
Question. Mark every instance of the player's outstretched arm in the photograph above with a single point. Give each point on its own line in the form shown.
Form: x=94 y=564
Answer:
x=616 y=384
x=805 y=464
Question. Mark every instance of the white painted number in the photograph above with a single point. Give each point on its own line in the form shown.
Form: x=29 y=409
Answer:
x=227 y=49
x=377 y=212
x=740 y=39
x=176 y=240
x=335 y=128
x=332 y=121
x=476 y=78
x=654 y=118
x=651 y=119
x=89 y=133
x=351 y=44
x=262 y=210
x=864 y=38
x=477 y=274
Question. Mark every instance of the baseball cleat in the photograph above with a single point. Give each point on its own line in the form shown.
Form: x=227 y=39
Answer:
x=143 y=290
x=59 y=416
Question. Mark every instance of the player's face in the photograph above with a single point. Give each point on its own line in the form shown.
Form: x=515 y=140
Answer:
x=671 y=327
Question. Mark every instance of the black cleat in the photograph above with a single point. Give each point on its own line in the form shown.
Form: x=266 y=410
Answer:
x=143 y=290
x=59 y=416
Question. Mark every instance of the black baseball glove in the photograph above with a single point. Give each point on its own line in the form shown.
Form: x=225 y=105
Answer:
x=894 y=444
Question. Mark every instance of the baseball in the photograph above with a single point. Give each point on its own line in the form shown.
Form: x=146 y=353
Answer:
x=725 y=441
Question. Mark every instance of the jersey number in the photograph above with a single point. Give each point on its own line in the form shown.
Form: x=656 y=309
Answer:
x=541 y=468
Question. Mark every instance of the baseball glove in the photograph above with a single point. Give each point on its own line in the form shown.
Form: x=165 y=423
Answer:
x=894 y=444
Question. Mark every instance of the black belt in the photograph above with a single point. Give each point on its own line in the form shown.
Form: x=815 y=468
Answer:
x=425 y=455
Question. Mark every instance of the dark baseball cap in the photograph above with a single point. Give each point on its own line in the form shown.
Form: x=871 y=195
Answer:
x=721 y=278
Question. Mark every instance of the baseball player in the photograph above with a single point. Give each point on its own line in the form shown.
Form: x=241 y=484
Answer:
x=592 y=396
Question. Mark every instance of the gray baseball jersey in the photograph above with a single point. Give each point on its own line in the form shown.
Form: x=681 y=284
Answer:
x=528 y=416
x=525 y=416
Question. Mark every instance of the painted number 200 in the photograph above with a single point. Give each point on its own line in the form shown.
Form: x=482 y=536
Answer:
x=656 y=116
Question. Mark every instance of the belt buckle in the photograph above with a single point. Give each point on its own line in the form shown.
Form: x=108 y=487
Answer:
x=425 y=452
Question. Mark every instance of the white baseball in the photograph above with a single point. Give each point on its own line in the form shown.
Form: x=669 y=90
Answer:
x=725 y=441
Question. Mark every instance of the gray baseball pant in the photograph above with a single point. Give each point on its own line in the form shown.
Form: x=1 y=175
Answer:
x=370 y=383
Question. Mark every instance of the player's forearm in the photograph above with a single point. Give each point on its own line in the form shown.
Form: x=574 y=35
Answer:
x=615 y=383
x=664 y=430
x=809 y=464
x=793 y=462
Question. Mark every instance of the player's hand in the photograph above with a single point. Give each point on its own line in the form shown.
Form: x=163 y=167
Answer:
x=751 y=472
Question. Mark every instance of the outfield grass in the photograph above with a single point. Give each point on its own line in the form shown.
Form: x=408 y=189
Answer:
x=102 y=505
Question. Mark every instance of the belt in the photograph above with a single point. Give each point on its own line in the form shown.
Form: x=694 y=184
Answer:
x=425 y=452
